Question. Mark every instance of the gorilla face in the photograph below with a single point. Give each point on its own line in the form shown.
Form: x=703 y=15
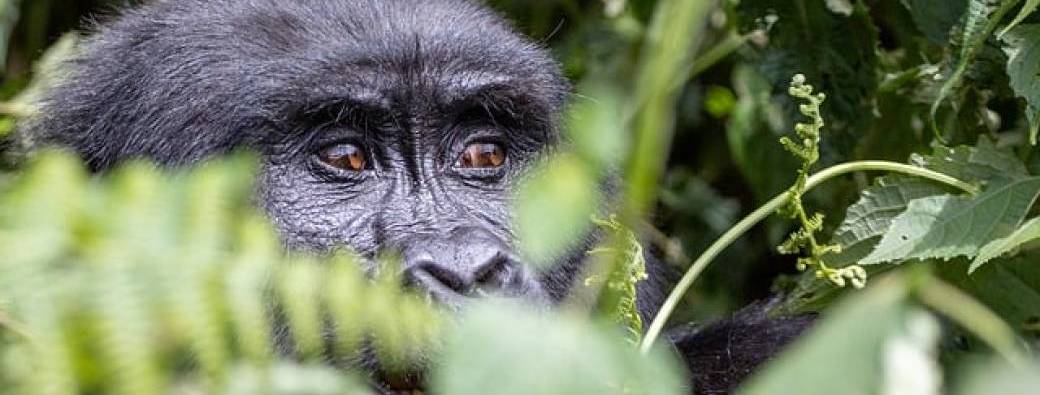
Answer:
x=417 y=152
x=398 y=126
x=384 y=126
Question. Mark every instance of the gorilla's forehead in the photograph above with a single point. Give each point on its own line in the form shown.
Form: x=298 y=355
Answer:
x=180 y=80
x=428 y=51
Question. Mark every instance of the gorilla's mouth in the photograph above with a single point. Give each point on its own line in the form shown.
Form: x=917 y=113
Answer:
x=411 y=383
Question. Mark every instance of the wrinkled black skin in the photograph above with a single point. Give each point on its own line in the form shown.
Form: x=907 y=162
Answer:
x=412 y=81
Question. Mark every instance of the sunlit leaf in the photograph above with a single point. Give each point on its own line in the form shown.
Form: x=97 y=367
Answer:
x=863 y=332
x=597 y=127
x=554 y=208
x=949 y=226
x=511 y=350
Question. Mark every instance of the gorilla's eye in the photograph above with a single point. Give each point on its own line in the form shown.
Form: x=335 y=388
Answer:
x=344 y=156
x=482 y=156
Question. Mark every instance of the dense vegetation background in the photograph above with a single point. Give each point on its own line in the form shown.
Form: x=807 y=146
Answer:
x=952 y=86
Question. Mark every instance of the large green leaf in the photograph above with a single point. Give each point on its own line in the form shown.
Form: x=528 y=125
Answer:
x=870 y=218
x=872 y=334
x=505 y=349
x=949 y=226
x=554 y=207
x=902 y=218
x=1022 y=45
x=867 y=220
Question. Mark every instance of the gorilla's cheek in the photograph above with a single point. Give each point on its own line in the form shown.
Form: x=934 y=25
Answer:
x=312 y=214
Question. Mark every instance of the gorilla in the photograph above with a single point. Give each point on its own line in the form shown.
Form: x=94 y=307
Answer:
x=381 y=125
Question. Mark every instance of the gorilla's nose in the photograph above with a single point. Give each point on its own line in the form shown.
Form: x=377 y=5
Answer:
x=466 y=263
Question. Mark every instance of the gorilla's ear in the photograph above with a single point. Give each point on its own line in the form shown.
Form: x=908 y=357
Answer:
x=722 y=355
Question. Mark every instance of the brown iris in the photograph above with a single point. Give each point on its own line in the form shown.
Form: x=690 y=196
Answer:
x=482 y=156
x=344 y=156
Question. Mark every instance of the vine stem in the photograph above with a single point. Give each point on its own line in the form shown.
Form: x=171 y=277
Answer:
x=764 y=212
x=973 y=316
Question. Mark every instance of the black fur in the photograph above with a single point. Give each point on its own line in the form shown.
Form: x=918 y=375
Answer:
x=178 y=81
x=727 y=352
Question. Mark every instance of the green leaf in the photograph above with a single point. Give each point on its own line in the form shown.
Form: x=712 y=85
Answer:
x=1026 y=233
x=513 y=350
x=1001 y=378
x=949 y=226
x=905 y=217
x=1022 y=46
x=1027 y=9
x=981 y=163
x=935 y=18
x=1010 y=287
x=597 y=127
x=867 y=220
x=135 y=282
x=871 y=334
x=982 y=18
x=9 y=14
x=554 y=207
x=286 y=378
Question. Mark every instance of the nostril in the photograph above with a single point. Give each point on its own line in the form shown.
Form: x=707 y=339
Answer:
x=438 y=279
x=494 y=273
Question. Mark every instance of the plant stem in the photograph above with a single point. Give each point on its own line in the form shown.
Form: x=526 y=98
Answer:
x=711 y=57
x=764 y=212
x=973 y=316
x=17 y=110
